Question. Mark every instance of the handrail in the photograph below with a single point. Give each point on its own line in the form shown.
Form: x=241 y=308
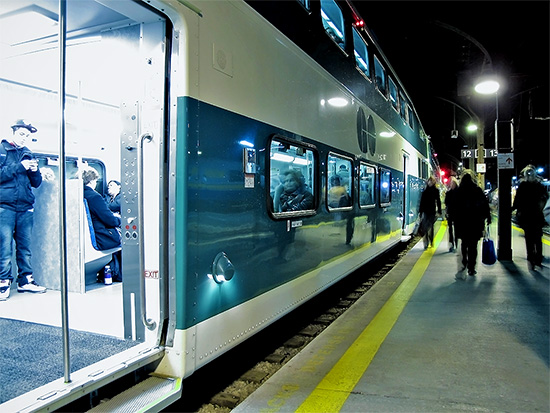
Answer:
x=149 y=323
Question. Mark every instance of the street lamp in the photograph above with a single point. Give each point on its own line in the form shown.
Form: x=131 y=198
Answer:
x=504 y=177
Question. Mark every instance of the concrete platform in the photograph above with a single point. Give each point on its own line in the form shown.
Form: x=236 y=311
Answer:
x=422 y=340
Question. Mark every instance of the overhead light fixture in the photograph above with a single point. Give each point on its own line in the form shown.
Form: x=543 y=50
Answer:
x=338 y=102
x=471 y=127
x=487 y=87
x=387 y=134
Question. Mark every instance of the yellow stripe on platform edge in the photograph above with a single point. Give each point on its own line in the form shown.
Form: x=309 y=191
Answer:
x=333 y=391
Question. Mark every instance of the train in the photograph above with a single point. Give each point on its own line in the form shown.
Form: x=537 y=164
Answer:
x=265 y=151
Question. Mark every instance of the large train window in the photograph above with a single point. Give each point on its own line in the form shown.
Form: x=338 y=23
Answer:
x=361 y=53
x=385 y=187
x=292 y=179
x=379 y=76
x=393 y=94
x=333 y=22
x=367 y=183
x=339 y=182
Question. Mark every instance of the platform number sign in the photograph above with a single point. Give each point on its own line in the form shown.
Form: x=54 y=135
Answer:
x=473 y=153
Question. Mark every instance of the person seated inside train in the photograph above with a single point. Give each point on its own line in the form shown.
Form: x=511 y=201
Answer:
x=337 y=195
x=344 y=175
x=106 y=224
x=294 y=195
x=113 y=196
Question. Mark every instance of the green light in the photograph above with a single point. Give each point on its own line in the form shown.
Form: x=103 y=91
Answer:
x=471 y=128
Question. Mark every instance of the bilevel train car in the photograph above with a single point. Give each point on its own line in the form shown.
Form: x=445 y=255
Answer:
x=265 y=150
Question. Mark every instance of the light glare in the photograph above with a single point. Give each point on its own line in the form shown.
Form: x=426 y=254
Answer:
x=487 y=87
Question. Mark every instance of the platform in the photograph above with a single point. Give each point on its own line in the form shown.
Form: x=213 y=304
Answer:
x=422 y=340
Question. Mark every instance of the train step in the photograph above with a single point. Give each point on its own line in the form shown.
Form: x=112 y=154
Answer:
x=152 y=394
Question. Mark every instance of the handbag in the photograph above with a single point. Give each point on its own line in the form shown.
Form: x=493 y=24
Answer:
x=488 y=254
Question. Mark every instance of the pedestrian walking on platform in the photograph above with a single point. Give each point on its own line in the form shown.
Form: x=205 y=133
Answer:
x=450 y=206
x=430 y=204
x=472 y=210
x=529 y=202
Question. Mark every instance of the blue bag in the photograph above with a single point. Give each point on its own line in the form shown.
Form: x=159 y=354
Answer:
x=488 y=254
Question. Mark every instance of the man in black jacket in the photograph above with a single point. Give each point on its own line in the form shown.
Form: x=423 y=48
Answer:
x=430 y=204
x=19 y=173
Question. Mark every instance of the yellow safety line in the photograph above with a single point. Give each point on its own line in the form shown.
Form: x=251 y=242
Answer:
x=332 y=392
x=544 y=240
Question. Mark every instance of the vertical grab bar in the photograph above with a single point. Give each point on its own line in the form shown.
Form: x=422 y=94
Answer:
x=62 y=200
x=149 y=323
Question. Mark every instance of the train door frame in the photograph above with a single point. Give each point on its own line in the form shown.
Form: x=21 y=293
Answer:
x=142 y=160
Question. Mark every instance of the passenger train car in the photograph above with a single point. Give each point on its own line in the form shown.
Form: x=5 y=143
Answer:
x=265 y=150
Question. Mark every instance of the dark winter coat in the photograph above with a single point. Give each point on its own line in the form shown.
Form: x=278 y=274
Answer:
x=430 y=202
x=105 y=223
x=529 y=202
x=16 y=182
x=113 y=203
x=450 y=203
x=472 y=209
x=299 y=200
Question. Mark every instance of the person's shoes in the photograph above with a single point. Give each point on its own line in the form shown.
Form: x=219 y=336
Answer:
x=472 y=272
x=4 y=290
x=30 y=287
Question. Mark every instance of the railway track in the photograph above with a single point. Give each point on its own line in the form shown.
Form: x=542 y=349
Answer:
x=223 y=384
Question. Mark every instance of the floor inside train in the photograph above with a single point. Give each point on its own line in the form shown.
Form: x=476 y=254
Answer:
x=31 y=349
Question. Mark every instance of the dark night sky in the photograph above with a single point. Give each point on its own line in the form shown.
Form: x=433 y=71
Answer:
x=432 y=61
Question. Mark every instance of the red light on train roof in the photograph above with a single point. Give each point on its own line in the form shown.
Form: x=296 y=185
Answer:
x=359 y=23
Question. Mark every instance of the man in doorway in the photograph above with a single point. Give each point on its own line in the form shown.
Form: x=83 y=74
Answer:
x=19 y=173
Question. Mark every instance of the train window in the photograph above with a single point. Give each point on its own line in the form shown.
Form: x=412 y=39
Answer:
x=292 y=179
x=379 y=76
x=339 y=182
x=403 y=107
x=393 y=94
x=305 y=4
x=333 y=22
x=367 y=183
x=385 y=187
x=410 y=116
x=361 y=53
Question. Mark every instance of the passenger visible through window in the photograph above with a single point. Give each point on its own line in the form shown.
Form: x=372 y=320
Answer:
x=339 y=178
x=367 y=184
x=292 y=178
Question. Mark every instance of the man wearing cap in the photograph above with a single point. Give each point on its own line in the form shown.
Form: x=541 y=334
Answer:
x=19 y=173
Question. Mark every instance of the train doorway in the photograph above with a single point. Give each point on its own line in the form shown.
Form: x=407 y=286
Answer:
x=114 y=119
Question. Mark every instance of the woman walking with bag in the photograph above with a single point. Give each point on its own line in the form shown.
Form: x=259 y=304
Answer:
x=472 y=209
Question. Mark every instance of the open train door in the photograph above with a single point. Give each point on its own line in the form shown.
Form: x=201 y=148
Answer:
x=142 y=177
x=98 y=81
